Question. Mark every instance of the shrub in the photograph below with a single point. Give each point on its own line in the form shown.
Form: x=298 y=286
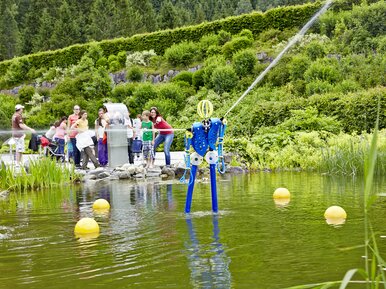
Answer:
x=324 y=70
x=246 y=33
x=184 y=76
x=235 y=45
x=208 y=41
x=269 y=35
x=198 y=78
x=135 y=74
x=181 y=54
x=102 y=62
x=141 y=95
x=213 y=50
x=26 y=93
x=224 y=37
x=224 y=78
x=171 y=91
x=17 y=71
x=297 y=66
x=318 y=87
x=141 y=58
x=243 y=62
x=123 y=91
x=315 y=50
x=114 y=66
x=122 y=55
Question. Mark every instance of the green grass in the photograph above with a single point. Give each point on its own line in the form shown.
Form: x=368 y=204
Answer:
x=44 y=173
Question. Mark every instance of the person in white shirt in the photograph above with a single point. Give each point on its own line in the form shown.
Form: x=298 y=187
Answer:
x=129 y=123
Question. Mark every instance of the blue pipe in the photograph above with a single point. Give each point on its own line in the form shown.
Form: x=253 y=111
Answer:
x=189 y=194
x=213 y=187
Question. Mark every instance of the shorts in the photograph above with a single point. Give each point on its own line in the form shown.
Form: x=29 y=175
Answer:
x=148 y=150
x=19 y=143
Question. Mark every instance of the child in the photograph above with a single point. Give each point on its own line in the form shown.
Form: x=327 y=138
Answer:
x=148 y=139
x=137 y=123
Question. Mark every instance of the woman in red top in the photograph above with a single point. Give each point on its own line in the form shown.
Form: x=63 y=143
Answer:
x=165 y=134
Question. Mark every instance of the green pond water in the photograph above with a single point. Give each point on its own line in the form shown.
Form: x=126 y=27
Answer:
x=146 y=241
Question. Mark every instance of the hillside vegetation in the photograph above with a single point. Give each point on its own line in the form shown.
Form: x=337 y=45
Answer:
x=314 y=110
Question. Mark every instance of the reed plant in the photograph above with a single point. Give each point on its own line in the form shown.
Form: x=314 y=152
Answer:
x=42 y=173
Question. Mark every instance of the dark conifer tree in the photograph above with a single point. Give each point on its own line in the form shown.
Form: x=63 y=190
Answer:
x=10 y=38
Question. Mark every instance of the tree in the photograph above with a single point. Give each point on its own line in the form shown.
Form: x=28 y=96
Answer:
x=42 y=40
x=102 y=20
x=199 y=14
x=127 y=20
x=66 y=29
x=168 y=17
x=244 y=7
x=148 y=14
x=10 y=38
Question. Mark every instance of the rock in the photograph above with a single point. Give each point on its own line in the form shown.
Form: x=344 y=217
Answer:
x=179 y=171
x=228 y=157
x=164 y=176
x=261 y=56
x=103 y=175
x=4 y=194
x=193 y=69
x=166 y=78
x=168 y=171
x=140 y=170
x=157 y=79
x=96 y=171
x=170 y=73
x=152 y=175
x=89 y=177
x=123 y=175
x=235 y=170
x=138 y=176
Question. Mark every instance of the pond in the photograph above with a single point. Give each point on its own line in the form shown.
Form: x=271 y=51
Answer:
x=146 y=241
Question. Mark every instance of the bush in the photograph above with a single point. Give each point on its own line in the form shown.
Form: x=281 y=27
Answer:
x=135 y=74
x=122 y=55
x=213 y=50
x=114 y=66
x=224 y=78
x=323 y=70
x=141 y=58
x=235 y=45
x=243 y=62
x=206 y=41
x=184 y=76
x=182 y=54
x=102 y=62
x=298 y=66
x=141 y=95
x=123 y=91
x=315 y=50
x=224 y=37
x=269 y=35
x=26 y=93
x=198 y=78
x=246 y=33
x=17 y=71
x=318 y=87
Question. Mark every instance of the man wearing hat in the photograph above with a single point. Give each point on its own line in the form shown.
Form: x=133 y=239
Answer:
x=18 y=129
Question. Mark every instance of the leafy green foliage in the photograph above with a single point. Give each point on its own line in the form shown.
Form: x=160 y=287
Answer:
x=26 y=93
x=224 y=78
x=243 y=62
x=235 y=45
x=184 y=76
x=135 y=74
x=182 y=54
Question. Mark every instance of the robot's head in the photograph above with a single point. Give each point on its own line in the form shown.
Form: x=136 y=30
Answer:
x=205 y=109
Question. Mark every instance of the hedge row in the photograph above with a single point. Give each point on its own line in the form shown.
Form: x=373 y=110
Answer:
x=279 y=18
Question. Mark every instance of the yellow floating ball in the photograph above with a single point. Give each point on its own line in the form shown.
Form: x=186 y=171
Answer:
x=86 y=226
x=335 y=212
x=101 y=204
x=281 y=193
x=335 y=221
x=281 y=202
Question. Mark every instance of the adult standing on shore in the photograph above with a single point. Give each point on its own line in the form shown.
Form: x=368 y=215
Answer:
x=72 y=134
x=100 y=131
x=18 y=129
x=165 y=135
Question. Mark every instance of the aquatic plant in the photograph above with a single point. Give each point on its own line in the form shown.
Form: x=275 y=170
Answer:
x=43 y=173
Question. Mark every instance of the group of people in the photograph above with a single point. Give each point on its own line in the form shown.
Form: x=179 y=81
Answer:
x=75 y=129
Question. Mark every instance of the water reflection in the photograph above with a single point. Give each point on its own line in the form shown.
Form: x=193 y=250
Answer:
x=209 y=266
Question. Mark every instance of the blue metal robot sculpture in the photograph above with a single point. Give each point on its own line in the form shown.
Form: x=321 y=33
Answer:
x=206 y=138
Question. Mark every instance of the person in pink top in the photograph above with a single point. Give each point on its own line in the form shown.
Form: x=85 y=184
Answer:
x=60 y=134
x=165 y=135
x=72 y=134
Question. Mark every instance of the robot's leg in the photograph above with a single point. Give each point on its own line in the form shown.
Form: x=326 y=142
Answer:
x=213 y=187
x=189 y=194
x=195 y=160
x=211 y=158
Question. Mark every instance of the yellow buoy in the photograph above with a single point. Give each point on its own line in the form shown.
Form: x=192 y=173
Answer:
x=281 y=202
x=86 y=226
x=101 y=204
x=335 y=221
x=281 y=193
x=335 y=212
x=205 y=108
